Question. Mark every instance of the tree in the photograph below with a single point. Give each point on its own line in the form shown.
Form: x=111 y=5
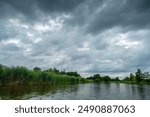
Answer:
x=96 y=76
x=138 y=75
x=63 y=72
x=117 y=79
x=132 y=77
x=73 y=74
x=36 y=69
x=56 y=70
x=1 y=72
x=106 y=78
x=126 y=78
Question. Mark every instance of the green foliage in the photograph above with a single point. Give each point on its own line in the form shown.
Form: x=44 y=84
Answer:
x=36 y=69
x=138 y=75
x=132 y=77
x=127 y=79
x=106 y=78
x=117 y=79
x=98 y=78
x=21 y=75
x=73 y=74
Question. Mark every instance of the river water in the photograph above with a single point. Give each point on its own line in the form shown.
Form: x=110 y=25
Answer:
x=89 y=91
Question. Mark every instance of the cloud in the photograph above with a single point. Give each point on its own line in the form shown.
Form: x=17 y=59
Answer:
x=30 y=10
x=88 y=36
x=96 y=17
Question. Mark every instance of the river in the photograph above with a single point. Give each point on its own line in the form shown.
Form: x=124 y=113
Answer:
x=89 y=91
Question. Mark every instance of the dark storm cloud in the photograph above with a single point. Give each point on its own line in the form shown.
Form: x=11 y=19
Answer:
x=58 y=5
x=97 y=16
x=93 y=15
x=29 y=8
x=11 y=8
x=127 y=14
x=139 y=5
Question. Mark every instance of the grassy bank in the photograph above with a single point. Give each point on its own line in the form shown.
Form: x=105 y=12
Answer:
x=22 y=75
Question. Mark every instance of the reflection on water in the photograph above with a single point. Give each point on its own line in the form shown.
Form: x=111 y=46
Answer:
x=90 y=91
x=27 y=91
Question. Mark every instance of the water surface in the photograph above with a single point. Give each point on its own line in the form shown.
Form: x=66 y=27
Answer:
x=89 y=91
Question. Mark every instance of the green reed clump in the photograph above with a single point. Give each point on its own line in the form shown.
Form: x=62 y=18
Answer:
x=22 y=75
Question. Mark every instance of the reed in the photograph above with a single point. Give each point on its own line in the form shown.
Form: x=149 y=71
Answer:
x=22 y=75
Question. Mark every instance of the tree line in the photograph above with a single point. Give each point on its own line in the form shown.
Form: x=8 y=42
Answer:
x=137 y=77
x=99 y=78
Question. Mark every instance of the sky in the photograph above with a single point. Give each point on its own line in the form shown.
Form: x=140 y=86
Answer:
x=87 y=36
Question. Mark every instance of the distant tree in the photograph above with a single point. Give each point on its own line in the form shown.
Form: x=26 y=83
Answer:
x=132 y=77
x=73 y=74
x=36 y=69
x=96 y=76
x=56 y=70
x=76 y=74
x=63 y=72
x=50 y=70
x=70 y=73
x=1 y=72
x=126 y=78
x=146 y=75
x=117 y=79
x=90 y=77
x=106 y=78
x=138 y=75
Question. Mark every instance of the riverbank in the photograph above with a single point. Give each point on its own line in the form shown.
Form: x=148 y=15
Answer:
x=21 y=75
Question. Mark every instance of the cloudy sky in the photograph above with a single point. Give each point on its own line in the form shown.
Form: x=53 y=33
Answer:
x=88 y=36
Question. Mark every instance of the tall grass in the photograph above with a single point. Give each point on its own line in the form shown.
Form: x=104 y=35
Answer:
x=22 y=75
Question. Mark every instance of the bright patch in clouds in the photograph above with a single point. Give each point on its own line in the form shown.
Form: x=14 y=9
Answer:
x=41 y=27
x=85 y=47
x=12 y=41
x=17 y=23
x=29 y=34
x=123 y=41
x=104 y=61
x=128 y=44
x=52 y=25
